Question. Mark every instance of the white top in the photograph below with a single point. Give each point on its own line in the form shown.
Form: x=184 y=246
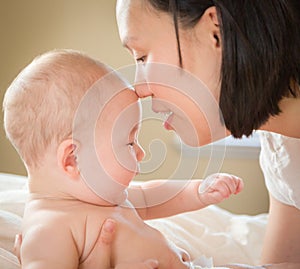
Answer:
x=280 y=163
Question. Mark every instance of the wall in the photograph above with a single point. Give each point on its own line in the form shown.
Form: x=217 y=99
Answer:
x=31 y=27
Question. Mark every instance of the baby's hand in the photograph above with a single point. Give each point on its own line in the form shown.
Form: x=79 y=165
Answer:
x=216 y=187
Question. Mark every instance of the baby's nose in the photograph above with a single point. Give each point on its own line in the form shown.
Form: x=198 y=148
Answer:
x=140 y=154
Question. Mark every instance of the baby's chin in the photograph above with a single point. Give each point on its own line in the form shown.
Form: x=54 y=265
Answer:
x=113 y=199
x=105 y=193
x=121 y=199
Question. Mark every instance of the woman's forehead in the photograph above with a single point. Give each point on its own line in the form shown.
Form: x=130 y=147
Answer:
x=138 y=22
x=131 y=14
x=126 y=13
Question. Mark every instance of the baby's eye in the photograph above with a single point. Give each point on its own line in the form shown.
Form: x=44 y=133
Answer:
x=130 y=144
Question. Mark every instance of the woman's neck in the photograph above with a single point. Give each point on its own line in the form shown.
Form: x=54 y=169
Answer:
x=288 y=121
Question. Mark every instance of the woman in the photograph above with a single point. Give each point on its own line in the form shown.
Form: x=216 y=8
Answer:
x=247 y=54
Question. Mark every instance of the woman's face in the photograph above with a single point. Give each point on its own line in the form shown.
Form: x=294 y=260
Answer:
x=150 y=37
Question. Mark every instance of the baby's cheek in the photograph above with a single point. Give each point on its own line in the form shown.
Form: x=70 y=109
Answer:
x=126 y=159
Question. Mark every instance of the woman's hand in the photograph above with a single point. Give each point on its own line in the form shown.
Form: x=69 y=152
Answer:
x=17 y=246
x=101 y=253
x=148 y=264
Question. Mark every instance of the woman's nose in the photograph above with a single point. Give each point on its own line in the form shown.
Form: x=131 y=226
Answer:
x=141 y=84
x=142 y=89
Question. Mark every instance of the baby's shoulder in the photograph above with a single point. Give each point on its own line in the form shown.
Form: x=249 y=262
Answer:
x=87 y=233
x=58 y=212
x=74 y=221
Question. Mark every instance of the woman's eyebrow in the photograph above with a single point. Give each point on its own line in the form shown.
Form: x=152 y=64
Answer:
x=125 y=42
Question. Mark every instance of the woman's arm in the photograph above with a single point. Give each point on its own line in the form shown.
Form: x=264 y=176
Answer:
x=282 y=240
x=266 y=266
x=162 y=198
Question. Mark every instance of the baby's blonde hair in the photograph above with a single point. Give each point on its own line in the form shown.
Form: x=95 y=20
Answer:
x=40 y=104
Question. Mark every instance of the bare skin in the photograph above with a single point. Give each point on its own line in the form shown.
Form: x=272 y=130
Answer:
x=69 y=230
x=64 y=214
x=148 y=34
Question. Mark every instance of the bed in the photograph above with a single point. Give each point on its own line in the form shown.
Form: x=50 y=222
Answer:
x=211 y=232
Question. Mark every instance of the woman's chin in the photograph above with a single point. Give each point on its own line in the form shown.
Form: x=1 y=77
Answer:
x=194 y=140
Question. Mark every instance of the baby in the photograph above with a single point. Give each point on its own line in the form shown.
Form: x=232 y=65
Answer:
x=75 y=123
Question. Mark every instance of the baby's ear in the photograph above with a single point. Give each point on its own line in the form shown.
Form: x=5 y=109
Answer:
x=66 y=157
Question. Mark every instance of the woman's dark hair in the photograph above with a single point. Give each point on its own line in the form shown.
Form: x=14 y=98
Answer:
x=260 y=57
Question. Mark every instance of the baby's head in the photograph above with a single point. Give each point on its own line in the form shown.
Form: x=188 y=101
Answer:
x=41 y=104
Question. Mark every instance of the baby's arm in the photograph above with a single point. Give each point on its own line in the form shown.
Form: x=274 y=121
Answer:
x=162 y=198
x=50 y=247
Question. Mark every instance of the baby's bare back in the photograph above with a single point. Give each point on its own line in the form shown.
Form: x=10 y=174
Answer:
x=78 y=226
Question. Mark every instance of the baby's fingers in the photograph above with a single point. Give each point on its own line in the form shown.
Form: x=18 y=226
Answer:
x=232 y=183
x=239 y=185
x=217 y=187
x=224 y=183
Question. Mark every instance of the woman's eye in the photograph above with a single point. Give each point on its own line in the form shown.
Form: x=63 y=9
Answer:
x=141 y=59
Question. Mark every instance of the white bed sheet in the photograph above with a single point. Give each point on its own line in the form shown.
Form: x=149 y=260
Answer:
x=212 y=232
